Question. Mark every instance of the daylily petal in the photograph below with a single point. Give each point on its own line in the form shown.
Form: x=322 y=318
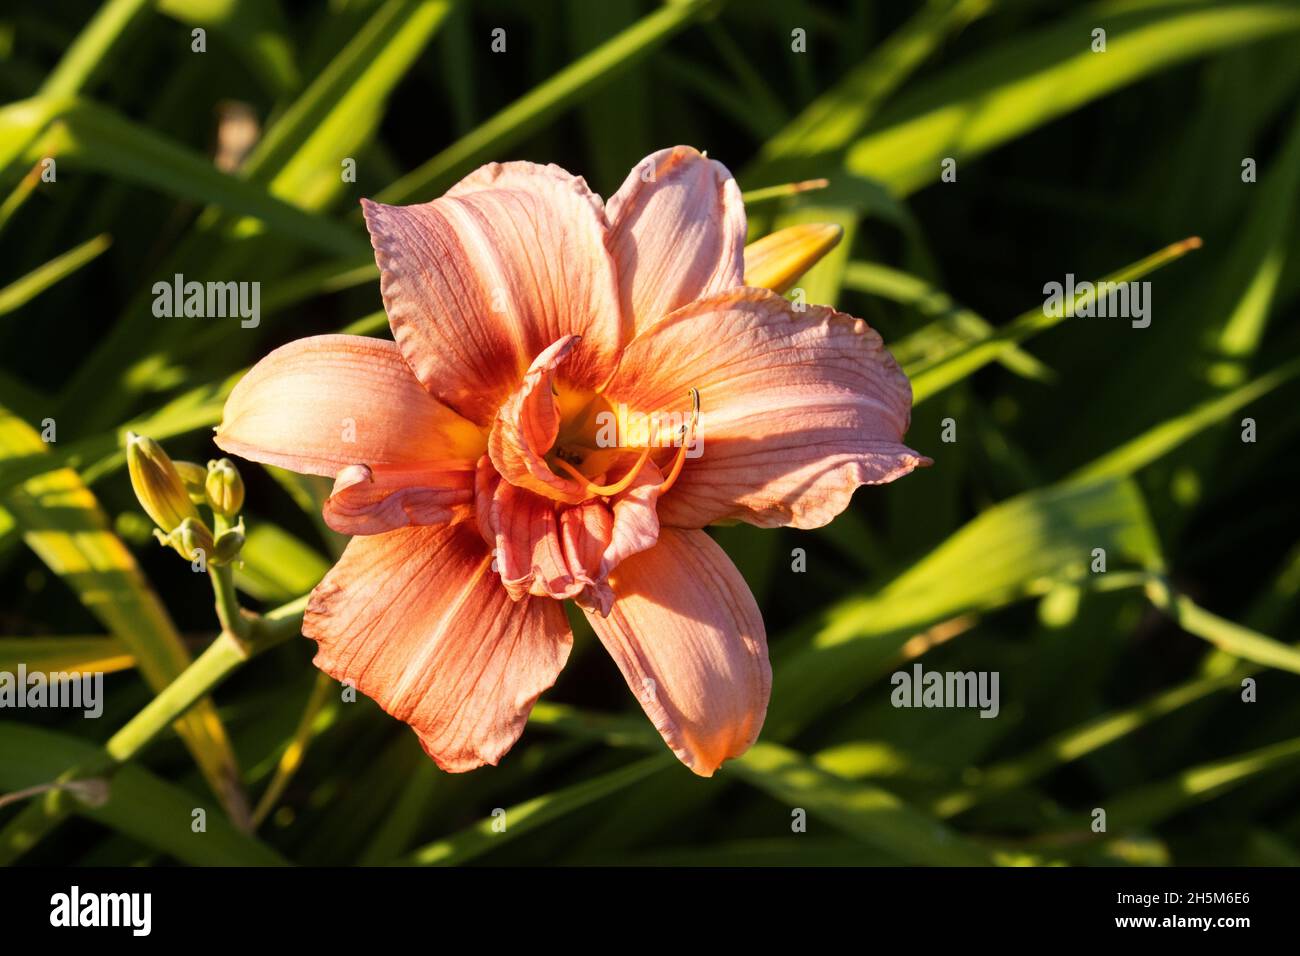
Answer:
x=480 y=281
x=677 y=231
x=416 y=620
x=688 y=637
x=486 y=480
x=368 y=500
x=322 y=403
x=567 y=551
x=526 y=426
x=585 y=532
x=599 y=534
x=636 y=522
x=530 y=555
x=798 y=408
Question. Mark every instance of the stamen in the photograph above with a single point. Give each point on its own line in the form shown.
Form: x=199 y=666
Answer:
x=688 y=432
x=606 y=491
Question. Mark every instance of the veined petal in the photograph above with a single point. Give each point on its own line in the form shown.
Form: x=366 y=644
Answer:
x=636 y=523
x=677 y=231
x=599 y=534
x=416 y=620
x=546 y=548
x=368 y=500
x=486 y=480
x=322 y=403
x=688 y=637
x=526 y=426
x=798 y=408
x=585 y=532
x=480 y=281
x=530 y=555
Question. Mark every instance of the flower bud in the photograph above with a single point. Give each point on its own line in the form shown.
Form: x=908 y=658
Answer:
x=157 y=484
x=191 y=537
x=227 y=547
x=194 y=476
x=225 y=488
x=778 y=260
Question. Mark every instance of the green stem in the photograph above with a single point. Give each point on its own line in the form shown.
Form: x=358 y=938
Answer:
x=223 y=656
x=1224 y=634
x=294 y=753
x=214 y=665
x=229 y=613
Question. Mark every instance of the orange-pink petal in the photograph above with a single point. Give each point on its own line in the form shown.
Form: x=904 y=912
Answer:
x=486 y=480
x=480 y=281
x=799 y=408
x=526 y=426
x=677 y=231
x=416 y=620
x=566 y=551
x=635 y=525
x=688 y=637
x=530 y=555
x=585 y=533
x=373 y=500
x=322 y=403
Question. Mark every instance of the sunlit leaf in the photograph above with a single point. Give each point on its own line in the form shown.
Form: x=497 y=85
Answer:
x=156 y=813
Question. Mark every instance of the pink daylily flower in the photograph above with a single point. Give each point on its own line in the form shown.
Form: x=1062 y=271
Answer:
x=468 y=466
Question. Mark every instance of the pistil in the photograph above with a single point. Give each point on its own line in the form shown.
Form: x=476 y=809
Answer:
x=688 y=434
x=605 y=491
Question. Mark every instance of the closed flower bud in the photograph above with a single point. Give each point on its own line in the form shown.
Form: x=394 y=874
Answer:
x=777 y=261
x=194 y=476
x=225 y=488
x=191 y=537
x=158 y=486
x=227 y=547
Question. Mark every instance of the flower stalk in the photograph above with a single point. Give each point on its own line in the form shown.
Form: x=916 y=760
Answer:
x=221 y=658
